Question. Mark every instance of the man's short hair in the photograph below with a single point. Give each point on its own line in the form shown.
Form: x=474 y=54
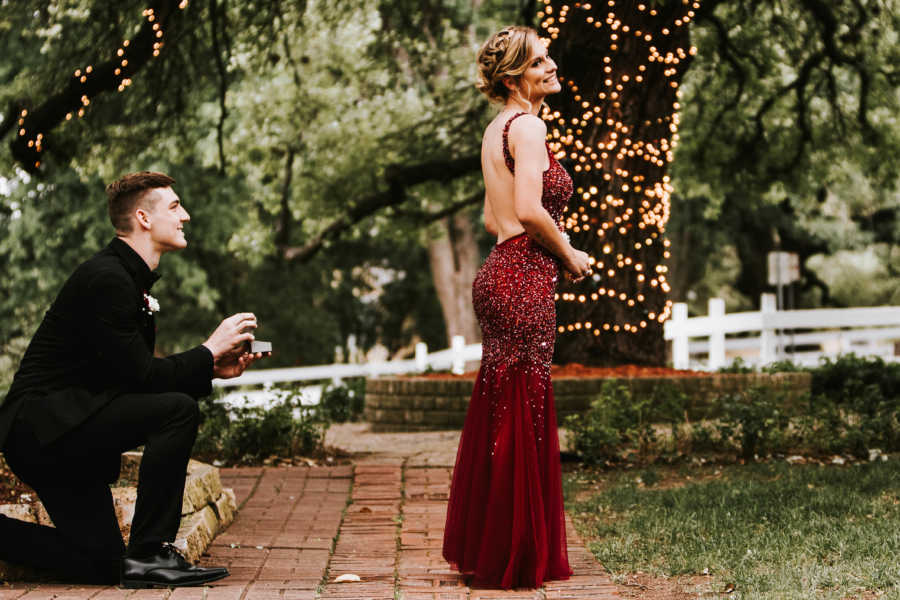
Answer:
x=130 y=192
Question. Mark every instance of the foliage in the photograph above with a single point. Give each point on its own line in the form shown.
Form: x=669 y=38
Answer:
x=280 y=122
x=343 y=401
x=845 y=378
x=755 y=419
x=867 y=391
x=616 y=417
x=286 y=428
x=771 y=530
x=853 y=407
x=788 y=111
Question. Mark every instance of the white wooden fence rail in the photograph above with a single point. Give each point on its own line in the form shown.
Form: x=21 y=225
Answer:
x=825 y=332
x=453 y=358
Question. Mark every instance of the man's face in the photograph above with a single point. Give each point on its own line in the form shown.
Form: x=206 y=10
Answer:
x=167 y=218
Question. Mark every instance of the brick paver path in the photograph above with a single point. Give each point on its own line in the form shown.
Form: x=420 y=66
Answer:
x=300 y=528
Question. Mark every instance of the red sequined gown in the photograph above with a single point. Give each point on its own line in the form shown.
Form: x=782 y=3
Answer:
x=505 y=519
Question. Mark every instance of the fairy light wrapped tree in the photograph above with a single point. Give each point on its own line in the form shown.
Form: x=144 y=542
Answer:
x=616 y=124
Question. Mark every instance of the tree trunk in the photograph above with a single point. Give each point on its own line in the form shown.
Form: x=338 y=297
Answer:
x=616 y=122
x=454 y=263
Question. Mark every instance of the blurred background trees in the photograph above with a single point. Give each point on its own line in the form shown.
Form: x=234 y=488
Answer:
x=328 y=154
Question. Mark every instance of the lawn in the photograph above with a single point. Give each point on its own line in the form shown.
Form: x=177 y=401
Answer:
x=770 y=530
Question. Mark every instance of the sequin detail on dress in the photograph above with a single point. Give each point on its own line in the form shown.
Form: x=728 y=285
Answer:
x=505 y=520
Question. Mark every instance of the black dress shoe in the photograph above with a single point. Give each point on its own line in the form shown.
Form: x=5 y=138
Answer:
x=166 y=568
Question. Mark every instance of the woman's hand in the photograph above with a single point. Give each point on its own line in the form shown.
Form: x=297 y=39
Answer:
x=577 y=265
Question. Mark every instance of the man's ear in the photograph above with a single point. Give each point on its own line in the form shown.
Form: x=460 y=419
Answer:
x=141 y=218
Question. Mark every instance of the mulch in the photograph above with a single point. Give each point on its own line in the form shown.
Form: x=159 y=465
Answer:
x=11 y=489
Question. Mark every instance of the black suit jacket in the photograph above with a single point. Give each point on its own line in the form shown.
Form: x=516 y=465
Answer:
x=95 y=343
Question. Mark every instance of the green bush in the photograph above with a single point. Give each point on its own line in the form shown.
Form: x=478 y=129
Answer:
x=253 y=434
x=615 y=419
x=754 y=420
x=844 y=378
x=737 y=366
x=854 y=407
x=343 y=401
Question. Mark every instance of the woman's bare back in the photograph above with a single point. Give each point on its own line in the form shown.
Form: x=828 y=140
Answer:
x=499 y=206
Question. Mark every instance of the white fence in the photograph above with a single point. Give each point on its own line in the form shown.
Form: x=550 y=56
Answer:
x=453 y=358
x=802 y=336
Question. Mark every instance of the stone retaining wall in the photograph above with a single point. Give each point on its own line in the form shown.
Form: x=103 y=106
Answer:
x=206 y=509
x=423 y=403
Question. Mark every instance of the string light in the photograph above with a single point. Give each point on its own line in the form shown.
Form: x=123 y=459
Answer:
x=35 y=141
x=626 y=197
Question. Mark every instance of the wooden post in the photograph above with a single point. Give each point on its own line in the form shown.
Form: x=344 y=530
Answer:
x=717 y=333
x=457 y=344
x=680 y=355
x=767 y=340
x=421 y=356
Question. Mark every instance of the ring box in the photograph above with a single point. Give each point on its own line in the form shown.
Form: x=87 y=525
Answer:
x=260 y=346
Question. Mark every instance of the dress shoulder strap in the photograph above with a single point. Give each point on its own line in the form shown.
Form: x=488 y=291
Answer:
x=510 y=161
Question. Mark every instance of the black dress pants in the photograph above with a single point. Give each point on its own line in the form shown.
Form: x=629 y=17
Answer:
x=71 y=477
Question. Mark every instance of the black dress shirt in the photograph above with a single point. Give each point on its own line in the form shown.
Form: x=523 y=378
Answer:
x=95 y=343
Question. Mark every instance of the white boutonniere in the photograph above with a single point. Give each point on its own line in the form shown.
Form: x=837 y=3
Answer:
x=151 y=304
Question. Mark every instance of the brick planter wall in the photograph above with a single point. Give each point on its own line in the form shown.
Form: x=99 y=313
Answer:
x=421 y=403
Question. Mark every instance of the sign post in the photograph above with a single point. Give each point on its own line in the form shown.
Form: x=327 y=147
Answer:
x=784 y=269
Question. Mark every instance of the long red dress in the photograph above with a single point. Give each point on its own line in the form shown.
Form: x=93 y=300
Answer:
x=505 y=519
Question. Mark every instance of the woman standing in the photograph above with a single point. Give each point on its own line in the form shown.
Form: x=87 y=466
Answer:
x=505 y=520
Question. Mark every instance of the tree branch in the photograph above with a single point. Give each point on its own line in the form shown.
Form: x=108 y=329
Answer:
x=222 y=71
x=423 y=216
x=283 y=233
x=727 y=52
x=27 y=146
x=398 y=180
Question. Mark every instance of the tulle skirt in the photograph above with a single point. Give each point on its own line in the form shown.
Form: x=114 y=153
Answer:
x=505 y=520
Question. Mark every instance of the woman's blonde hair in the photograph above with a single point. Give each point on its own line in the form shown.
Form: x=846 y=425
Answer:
x=505 y=54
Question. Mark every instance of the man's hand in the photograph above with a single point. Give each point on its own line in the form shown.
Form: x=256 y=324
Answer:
x=232 y=333
x=233 y=363
x=228 y=344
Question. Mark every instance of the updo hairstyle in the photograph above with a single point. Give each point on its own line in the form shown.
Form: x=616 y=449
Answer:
x=505 y=54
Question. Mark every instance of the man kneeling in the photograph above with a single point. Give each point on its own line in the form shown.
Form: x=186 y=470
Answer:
x=89 y=388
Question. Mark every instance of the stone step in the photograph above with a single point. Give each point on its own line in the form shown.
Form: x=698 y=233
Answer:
x=207 y=509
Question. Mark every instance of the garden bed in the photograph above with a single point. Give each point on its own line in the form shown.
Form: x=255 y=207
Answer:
x=440 y=401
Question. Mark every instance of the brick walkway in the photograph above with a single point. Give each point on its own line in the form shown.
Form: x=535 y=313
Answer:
x=300 y=528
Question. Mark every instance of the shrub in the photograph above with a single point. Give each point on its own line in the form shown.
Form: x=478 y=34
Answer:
x=343 y=401
x=737 y=366
x=615 y=418
x=865 y=392
x=671 y=404
x=754 y=420
x=854 y=407
x=253 y=434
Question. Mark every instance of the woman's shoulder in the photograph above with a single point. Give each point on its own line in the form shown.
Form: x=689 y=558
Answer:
x=527 y=126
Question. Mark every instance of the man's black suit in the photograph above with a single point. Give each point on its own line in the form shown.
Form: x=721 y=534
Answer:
x=87 y=389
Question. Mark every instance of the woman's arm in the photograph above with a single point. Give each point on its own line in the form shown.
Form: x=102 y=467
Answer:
x=526 y=140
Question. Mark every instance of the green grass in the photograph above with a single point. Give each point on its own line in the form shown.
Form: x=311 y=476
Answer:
x=776 y=531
